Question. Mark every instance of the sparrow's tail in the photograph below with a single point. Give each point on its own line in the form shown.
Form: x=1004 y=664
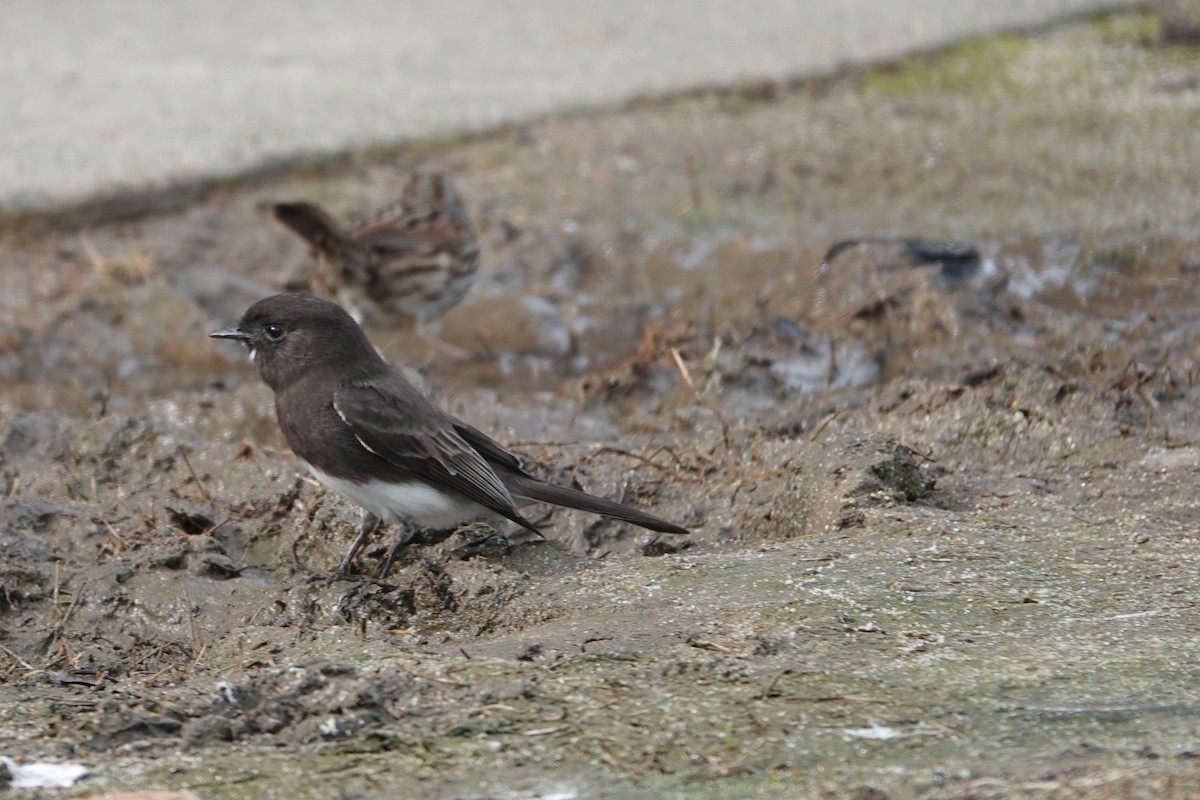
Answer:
x=310 y=223
x=532 y=489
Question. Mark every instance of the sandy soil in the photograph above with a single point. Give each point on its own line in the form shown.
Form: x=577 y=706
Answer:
x=943 y=490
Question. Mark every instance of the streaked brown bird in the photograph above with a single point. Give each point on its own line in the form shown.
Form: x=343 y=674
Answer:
x=369 y=435
x=405 y=266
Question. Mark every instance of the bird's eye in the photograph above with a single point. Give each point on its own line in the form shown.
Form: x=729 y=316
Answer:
x=274 y=332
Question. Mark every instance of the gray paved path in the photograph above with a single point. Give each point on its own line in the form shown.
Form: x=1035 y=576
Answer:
x=110 y=95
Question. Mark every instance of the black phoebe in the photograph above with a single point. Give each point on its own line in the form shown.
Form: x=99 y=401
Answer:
x=368 y=435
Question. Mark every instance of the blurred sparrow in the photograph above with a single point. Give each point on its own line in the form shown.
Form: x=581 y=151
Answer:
x=407 y=265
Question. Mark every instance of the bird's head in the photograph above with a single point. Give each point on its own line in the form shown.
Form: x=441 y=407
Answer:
x=289 y=335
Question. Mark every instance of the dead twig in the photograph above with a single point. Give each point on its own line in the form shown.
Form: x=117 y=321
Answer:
x=203 y=489
x=702 y=399
x=24 y=664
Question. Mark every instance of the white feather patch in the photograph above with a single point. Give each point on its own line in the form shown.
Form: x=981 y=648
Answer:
x=415 y=501
x=365 y=446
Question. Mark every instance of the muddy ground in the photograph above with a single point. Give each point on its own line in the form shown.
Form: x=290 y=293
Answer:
x=943 y=492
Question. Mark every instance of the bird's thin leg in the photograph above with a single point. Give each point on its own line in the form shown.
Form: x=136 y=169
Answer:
x=407 y=531
x=370 y=523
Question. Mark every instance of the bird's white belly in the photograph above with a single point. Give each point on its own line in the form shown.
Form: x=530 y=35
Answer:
x=415 y=501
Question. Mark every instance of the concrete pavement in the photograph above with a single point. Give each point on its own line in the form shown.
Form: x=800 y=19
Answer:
x=113 y=96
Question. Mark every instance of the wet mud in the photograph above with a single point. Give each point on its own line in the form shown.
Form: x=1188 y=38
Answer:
x=911 y=351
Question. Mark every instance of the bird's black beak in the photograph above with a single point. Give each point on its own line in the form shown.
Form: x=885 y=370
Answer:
x=232 y=333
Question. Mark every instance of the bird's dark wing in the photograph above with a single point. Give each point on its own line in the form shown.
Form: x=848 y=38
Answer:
x=488 y=447
x=395 y=422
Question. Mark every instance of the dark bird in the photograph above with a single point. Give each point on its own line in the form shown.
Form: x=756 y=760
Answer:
x=369 y=435
x=405 y=266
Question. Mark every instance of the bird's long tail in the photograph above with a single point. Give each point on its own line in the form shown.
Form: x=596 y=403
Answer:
x=310 y=223
x=532 y=489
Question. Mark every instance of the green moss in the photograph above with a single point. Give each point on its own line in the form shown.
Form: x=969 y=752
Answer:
x=1131 y=28
x=968 y=67
x=494 y=155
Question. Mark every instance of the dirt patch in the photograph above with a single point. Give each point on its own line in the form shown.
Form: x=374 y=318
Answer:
x=941 y=480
